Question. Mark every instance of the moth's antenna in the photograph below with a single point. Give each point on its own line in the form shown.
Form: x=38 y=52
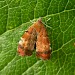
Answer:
x=48 y=19
x=31 y=21
x=34 y=21
x=40 y=19
x=46 y=23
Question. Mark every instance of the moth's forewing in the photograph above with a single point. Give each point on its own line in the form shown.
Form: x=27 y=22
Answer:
x=43 y=43
x=27 y=42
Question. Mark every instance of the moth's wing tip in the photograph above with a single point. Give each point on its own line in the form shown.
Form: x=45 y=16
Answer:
x=43 y=56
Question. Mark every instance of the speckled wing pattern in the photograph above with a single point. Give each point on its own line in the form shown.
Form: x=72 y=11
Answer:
x=36 y=34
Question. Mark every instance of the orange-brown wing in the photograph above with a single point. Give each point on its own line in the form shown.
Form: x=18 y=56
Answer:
x=35 y=34
x=27 y=42
x=43 y=45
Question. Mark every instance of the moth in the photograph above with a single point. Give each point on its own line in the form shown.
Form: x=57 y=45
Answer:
x=37 y=35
